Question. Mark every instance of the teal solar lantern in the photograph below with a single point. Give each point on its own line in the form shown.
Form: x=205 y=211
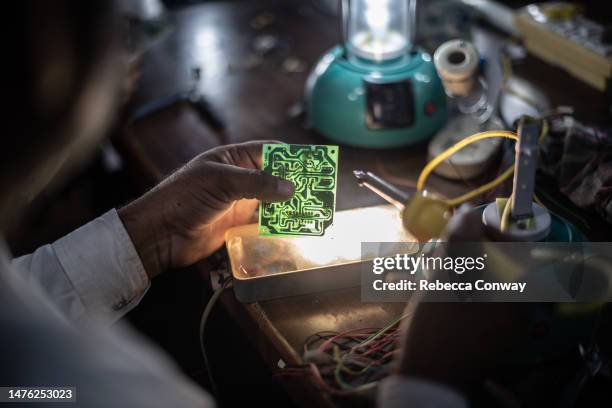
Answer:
x=376 y=89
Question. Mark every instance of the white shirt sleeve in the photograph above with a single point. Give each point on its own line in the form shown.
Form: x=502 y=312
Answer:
x=93 y=273
x=111 y=367
x=401 y=392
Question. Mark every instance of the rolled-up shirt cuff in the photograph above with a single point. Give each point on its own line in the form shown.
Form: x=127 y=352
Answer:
x=103 y=266
x=401 y=392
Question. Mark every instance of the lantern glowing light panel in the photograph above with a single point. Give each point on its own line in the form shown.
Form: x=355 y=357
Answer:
x=379 y=30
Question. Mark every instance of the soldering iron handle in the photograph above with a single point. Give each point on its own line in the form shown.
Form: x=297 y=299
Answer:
x=382 y=188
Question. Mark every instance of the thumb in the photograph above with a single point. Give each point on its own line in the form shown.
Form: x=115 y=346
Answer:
x=253 y=183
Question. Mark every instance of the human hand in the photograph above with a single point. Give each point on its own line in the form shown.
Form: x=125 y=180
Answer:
x=184 y=218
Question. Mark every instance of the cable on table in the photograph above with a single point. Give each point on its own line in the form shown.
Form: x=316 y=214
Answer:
x=203 y=320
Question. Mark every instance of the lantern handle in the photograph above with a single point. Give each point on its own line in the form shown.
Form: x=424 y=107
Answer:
x=345 y=7
x=412 y=20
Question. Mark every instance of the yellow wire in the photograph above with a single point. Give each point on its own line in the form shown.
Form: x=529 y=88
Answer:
x=537 y=200
x=505 y=216
x=452 y=202
x=544 y=132
x=435 y=162
x=429 y=167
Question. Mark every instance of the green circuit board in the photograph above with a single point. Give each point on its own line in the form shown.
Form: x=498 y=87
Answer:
x=313 y=171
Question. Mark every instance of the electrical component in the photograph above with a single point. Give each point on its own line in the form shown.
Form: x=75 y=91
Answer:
x=313 y=171
x=457 y=64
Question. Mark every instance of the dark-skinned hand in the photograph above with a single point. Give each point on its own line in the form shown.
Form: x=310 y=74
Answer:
x=184 y=218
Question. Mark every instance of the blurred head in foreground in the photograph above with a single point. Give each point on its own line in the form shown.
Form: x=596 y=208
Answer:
x=63 y=85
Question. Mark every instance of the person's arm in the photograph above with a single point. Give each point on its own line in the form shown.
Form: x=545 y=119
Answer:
x=91 y=273
x=103 y=269
x=105 y=367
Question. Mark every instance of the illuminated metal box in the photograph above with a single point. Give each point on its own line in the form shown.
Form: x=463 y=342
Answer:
x=268 y=267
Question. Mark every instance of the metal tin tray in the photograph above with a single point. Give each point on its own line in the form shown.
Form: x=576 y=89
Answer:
x=269 y=267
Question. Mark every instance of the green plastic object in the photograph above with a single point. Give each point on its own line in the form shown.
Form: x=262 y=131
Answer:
x=336 y=99
x=313 y=171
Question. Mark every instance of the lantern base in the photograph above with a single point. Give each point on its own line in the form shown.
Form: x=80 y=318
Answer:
x=361 y=103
